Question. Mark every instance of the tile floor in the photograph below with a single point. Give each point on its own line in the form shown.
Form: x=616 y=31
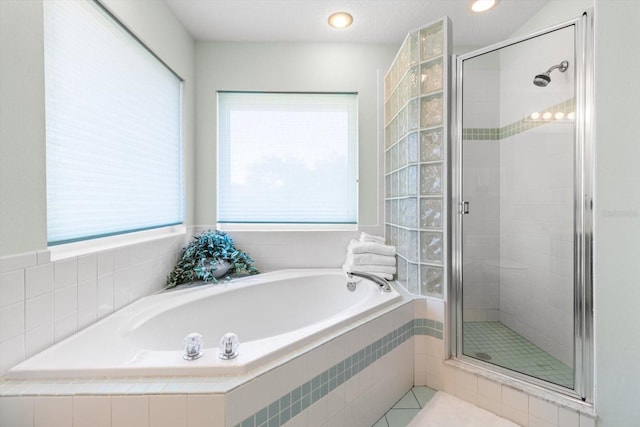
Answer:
x=408 y=407
x=495 y=343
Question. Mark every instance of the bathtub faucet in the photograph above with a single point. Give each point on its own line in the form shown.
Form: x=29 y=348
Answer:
x=382 y=283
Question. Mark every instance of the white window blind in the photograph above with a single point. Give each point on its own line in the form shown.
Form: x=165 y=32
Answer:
x=113 y=128
x=287 y=158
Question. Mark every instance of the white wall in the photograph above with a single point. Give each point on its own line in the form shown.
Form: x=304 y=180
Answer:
x=294 y=67
x=554 y=12
x=481 y=240
x=43 y=301
x=481 y=188
x=520 y=63
x=22 y=132
x=617 y=213
x=536 y=197
x=536 y=237
x=616 y=204
x=23 y=218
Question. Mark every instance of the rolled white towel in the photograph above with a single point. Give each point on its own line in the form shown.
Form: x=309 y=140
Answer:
x=369 y=258
x=356 y=247
x=364 y=237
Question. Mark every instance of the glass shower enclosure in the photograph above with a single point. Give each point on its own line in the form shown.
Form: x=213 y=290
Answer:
x=521 y=206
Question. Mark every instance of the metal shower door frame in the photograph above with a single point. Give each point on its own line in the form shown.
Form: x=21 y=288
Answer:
x=583 y=217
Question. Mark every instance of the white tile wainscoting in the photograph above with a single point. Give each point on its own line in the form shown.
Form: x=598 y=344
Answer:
x=43 y=301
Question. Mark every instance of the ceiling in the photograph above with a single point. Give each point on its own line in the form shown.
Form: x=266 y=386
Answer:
x=375 y=21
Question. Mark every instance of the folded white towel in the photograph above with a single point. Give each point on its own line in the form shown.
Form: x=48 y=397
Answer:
x=369 y=258
x=356 y=247
x=369 y=268
x=364 y=237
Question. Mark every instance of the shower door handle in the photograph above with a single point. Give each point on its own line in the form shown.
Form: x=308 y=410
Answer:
x=464 y=208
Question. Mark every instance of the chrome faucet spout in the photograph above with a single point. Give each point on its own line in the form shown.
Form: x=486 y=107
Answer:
x=381 y=282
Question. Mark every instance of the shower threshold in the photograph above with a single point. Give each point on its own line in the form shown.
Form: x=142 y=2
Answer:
x=495 y=343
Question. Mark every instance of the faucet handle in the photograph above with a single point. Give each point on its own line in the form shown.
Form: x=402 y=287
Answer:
x=193 y=346
x=228 y=346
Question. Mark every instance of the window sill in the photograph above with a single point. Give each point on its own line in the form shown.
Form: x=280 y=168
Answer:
x=86 y=247
x=285 y=227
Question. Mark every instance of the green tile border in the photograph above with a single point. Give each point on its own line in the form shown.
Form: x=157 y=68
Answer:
x=517 y=127
x=300 y=398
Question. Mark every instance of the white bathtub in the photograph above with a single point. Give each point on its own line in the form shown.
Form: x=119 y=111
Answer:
x=272 y=314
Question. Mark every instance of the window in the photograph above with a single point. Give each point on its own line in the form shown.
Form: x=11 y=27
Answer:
x=113 y=128
x=287 y=158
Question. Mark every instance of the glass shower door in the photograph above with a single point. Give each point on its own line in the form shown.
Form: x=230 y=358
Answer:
x=517 y=206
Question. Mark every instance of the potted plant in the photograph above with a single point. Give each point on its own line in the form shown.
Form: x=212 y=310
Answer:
x=208 y=257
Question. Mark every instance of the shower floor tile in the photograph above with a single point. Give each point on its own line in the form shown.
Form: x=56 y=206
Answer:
x=495 y=343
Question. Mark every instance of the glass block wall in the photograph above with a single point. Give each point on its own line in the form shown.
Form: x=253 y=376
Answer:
x=416 y=105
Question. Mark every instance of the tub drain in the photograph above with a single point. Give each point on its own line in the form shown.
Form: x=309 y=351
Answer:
x=482 y=356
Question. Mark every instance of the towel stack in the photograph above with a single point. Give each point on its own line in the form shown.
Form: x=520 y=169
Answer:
x=371 y=255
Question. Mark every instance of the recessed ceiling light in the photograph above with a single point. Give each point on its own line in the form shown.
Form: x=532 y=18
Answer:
x=483 y=5
x=340 y=20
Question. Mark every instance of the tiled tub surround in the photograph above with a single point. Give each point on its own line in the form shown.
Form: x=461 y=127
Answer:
x=349 y=378
x=271 y=313
x=43 y=302
x=416 y=157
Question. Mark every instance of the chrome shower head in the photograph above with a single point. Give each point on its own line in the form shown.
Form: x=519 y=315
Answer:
x=542 y=80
